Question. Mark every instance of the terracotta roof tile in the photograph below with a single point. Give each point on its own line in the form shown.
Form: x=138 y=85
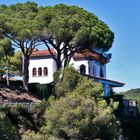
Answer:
x=42 y=53
x=90 y=55
x=84 y=54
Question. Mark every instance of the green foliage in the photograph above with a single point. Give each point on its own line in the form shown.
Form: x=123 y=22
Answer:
x=88 y=87
x=76 y=116
x=41 y=90
x=67 y=81
x=6 y=46
x=131 y=126
x=56 y=75
x=16 y=64
x=76 y=25
x=79 y=112
x=13 y=66
x=17 y=83
x=20 y=21
x=21 y=117
x=7 y=130
x=70 y=79
x=6 y=51
x=22 y=25
x=37 y=111
x=70 y=28
x=31 y=135
x=24 y=117
x=132 y=94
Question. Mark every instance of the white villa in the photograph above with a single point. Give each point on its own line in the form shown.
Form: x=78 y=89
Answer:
x=88 y=62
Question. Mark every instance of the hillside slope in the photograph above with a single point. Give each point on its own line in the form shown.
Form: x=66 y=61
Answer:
x=12 y=94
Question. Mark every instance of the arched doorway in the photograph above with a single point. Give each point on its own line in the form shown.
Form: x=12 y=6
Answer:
x=83 y=69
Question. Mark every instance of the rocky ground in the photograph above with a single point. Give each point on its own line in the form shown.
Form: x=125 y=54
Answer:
x=12 y=94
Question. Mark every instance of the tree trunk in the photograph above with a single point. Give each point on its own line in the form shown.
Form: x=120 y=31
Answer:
x=25 y=71
x=7 y=77
x=58 y=64
x=7 y=71
x=58 y=60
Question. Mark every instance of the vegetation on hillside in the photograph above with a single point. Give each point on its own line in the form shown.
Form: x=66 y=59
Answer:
x=76 y=111
x=130 y=125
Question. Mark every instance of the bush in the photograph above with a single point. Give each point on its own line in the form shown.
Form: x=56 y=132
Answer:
x=80 y=112
x=41 y=90
x=67 y=81
x=78 y=117
x=24 y=117
x=31 y=135
x=7 y=130
x=131 y=126
x=17 y=83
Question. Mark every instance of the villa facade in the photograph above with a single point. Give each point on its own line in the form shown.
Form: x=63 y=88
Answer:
x=88 y=62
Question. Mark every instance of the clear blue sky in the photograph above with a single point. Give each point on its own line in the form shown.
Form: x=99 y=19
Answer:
x=123 y=18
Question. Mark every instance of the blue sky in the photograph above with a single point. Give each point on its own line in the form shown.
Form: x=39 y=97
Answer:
x=122 y=16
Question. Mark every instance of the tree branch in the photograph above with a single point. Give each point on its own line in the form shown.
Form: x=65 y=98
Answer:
x=49 y=49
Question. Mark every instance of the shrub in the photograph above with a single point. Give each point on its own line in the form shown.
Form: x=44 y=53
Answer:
x=78 y=117
x=7 y=130
x=68 y=80
x=41 y=90
x=31 y=135
x=79 y=112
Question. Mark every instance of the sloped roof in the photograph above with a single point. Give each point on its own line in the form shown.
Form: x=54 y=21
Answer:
x=42 y=53
x=112 y=83
x=90 y=55
x=85 y=54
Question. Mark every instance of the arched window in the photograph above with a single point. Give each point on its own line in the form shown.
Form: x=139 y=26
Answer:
x=45 y=71
x=34 y=71
x=83 y=69
x=39 y=71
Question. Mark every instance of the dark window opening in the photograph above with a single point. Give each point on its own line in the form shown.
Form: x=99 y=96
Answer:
x=39 y=71
x=45 y=71
x=101 y=72
x=34 y=71
x=83 y=69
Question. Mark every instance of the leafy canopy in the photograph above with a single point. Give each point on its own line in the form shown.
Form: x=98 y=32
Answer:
x=80 y=113
x=69 y=29
x=75 y=26
x=21 y=24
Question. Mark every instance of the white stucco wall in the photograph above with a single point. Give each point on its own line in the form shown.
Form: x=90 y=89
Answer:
x=78 y=63
x=41 y=62
x=92 y=68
